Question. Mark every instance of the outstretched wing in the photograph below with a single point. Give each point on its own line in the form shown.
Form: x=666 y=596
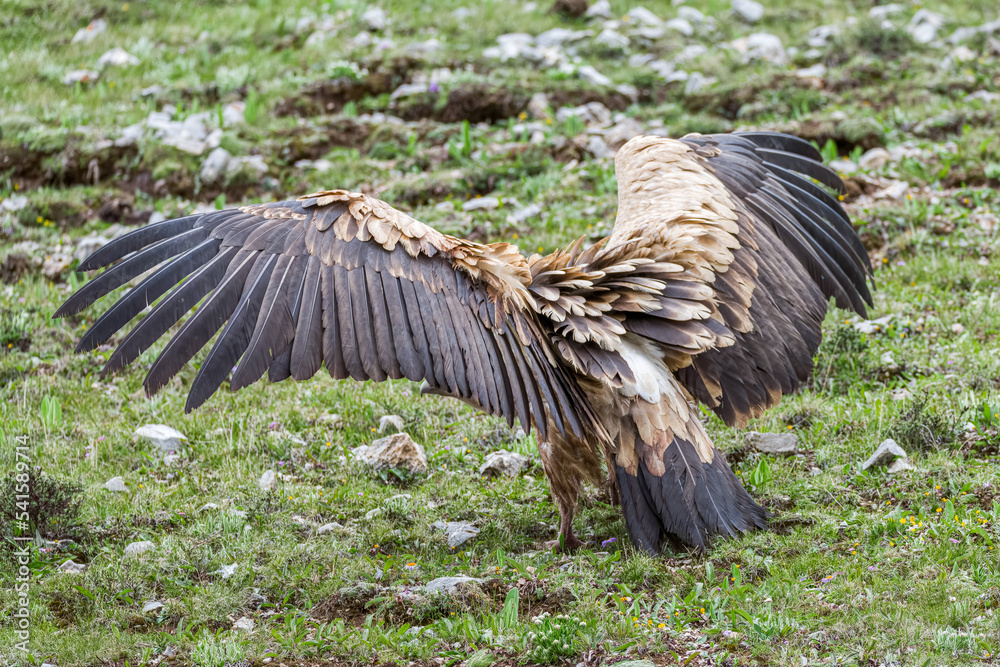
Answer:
x=335 y=278
x=743 y=215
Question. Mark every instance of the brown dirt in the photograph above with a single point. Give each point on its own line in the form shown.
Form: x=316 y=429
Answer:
x=573 y=9
x=329 y=97
x=14 y=267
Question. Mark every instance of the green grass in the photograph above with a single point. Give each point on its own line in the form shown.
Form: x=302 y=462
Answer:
x=861 y=568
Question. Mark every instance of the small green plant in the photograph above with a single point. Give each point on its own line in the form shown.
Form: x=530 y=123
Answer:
x=553 y=638
x=52 y=505
x=216 y=651
x=761 y=475
x=51 y=413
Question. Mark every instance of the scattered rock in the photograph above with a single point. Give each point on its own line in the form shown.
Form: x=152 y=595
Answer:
x=611 y=39
x=396 y=451
x=821 y=35
x=635 y=663
x=14 y=203
x=597 y=147
x=887 y=453
x=683 y=26
x=882 y=12
x=643 y=17
x=747 y=11
x=538 y=106
x=87 y=246
x=215 y=165
x=117 y=57
x=245 y=624
x=80 y=76
x=375 y=19
x=328 y=528
x=777 y=444
x=116 y=485
x=150 y=607
x=593 y=114
x=93 y=29
x=694 y=82
x=622 y=132
x=458 y=532
x=137 y=548
x=761 y=46
x=55 y=265
x=227 y=571
x=900 y=395
x=449 y=585
x=924 y=25
x=895 y=191
x=592 y=76
x=69 y=567
x=502 y=462
x=208 y=507
x=525 y=213
x=599 y=10
x=692 y=16
x=268 y=481
x=251 y=166
x=842 y=166
x=559 y=36
x=957 y=329
x=872 y=159
x=164 y=438
x=482 y=204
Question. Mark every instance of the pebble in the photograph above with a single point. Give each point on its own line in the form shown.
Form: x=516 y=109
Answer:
x=525 y=213
x=244 y=624
x=924 y=25
x=227 y=571
x=396 y=451
x=268 y=481
x=154 y=605
x=458 y=532
x=215 y=165
x=117 y=57
x=597 y=147
x=375 y=19
x=482 y=204
x=761 y=46
x=622 y=132
x=872 y=159
x=643 y=17
x=93 y=29
x=747 y=11
x=888 y=454
x=328 y=528
x=777 y=444
x=611 y=39
x=116 y=485
x=76 y=76
x=69 y=567
x=164 y=438
x=589 y=74
x=449 y=585
x=599 y=10
x=137 y=548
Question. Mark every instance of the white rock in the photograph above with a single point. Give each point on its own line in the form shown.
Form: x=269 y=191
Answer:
x=458 y=532
x=611 y=39
x=821 y=35
x=86 y=246
x=164 y=438
x=513 y=46
x=375 y=19
x=14 y=203
x=560 y=36
x=396 y=451
x=691 y=15
x=887 y=359
x=244 y=624
x=56 y=264
x=899 y=465
x=503 y=463
x=778 y=444
x=597 y=147
x=227 y=571
x=137 y=548
x=924 y=25
x=693 y=82
x=153 y=605
x=93 y=29
x=900 y=395
x=525 y=213
x=883 y=12
x=233 y=113
x=683 y=26
x=643 y=17
x=961 y=54
x=761 y=46
x=117 y=57
x=423 y=49
x=622 y=132
x=253 y=165
x=208 y=507
x=818 y=71
x=449 y=585
x=407 y=89
x=593 y=114
x=592 y=76
x=690 y=52
x=116 y=485
x=215 y=165
x=748 y=11
x=69 y=567
x=445 y=206
x=957 y=329
x=886 y=453
x=80 y=76
x=875 y=158
x=328 y=528
x=599 y=10
x=155 y=216
x=482 y=204
x=268 y=481
x=843 y=166
x=895 y=191
x=871 y=326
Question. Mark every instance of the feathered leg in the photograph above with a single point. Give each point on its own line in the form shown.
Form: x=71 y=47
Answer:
x=567 y=464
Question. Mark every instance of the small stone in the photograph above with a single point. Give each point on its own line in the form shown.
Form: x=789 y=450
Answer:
x=14 y=203
x=886 y=453
x=244 y=624
x=597 y=147
x=87 y=246
x=592 y=76
x=611 y=39
x=208 y=507
x=899 y=465
x=635 y=663
x=445 y=206
x=814 y=471
x=69 y=567
x=328 y=528
x=694 y=82
x=895 y=191
x=117 y=57
x=872 y=159
x=387 y=422
x=900 y=395
x=396 y=451
x=152 y=606
x=777 y=444
x=458 y=532
x=817 y=71
x=957 y=329
x=683 y=26
x=622 y=132
x=599 y=10
x=842 y=166
x=482 y=204
x=747 y=11
x=375 y=19
x=93 y=29
x=116 y=485
x=691 y=15
x=643 y=17
x=924 y=25
x=761 y=46
x=80 y=76
x=252 y=166
x=215 y=165
x=559 y=36
x=503 y=463
x=268 y=481
x=227 y=571
x=593 y=114
x=449 y=585
x=137 y=548
x=164 y=438
x=538 y=106
x=882 y=12
x=525 y=213
x=55 y=265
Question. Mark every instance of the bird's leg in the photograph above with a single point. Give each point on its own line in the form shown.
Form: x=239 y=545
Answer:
x=567 y=540
x=565 y=481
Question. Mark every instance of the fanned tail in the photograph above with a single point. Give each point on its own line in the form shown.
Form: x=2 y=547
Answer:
x=691 y=501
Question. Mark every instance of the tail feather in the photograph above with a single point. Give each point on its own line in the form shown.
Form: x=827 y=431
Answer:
x=691 y=502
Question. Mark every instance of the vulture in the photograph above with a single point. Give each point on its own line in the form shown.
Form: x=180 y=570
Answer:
x=711 y=289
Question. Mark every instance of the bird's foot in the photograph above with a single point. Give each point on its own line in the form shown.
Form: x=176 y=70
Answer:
x=569 y=542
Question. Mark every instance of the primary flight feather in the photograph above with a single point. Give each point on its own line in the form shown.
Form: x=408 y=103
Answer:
x=712 y=287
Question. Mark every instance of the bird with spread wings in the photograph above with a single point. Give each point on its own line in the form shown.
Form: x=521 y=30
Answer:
x=711 y=288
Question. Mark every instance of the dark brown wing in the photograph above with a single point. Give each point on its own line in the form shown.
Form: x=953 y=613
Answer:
x=339 y=279
x=798 y=248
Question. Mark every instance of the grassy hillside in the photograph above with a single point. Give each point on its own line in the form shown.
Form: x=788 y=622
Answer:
x=417 y=105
